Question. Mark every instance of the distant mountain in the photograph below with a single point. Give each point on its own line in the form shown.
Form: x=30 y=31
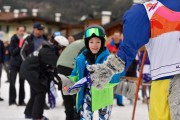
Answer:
x=71 y=10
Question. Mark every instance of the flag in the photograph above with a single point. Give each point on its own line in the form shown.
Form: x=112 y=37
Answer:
x=80 y=83
x=52 y=94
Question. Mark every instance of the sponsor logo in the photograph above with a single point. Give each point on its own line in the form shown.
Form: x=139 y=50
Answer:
x=151 y=6
x=178 y=66
x=36 y=53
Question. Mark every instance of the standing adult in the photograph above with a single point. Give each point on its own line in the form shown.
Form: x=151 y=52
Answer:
x=113 y=46
x=65 y=65
x=16 y=60
x=34 y=41
x=38 y=69
x=1 y=62
x=156 y=24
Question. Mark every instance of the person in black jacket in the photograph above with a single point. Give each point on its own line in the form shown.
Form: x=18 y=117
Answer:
x=15 y=63
x=34 y=41
x=38 y=69
x=65 y=66
x=1 y=62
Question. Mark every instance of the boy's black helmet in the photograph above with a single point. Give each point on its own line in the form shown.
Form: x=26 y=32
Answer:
x=95 y=31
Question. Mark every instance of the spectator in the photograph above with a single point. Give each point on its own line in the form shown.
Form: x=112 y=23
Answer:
x=65 y=66
x=38 y=68
x=34 y=41
x=116 y=42
x=1 y=63
x=7 y=57
x=71 y=39
x=16 y=60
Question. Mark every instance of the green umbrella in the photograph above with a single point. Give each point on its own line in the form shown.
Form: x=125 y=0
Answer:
x=67 y=57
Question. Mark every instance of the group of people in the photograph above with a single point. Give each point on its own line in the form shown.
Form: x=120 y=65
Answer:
x=96 y=72
x=20 y=51
x=39 y=69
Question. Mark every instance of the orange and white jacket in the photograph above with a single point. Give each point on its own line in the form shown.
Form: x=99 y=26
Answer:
x=164 y=44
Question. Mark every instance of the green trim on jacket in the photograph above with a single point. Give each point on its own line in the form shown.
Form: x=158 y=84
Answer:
x=100 y=98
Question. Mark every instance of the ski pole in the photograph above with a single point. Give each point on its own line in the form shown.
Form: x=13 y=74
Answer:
x=139 y=83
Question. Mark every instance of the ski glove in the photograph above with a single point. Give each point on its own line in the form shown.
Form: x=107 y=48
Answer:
x=101 y=74
x=66 y=84
x=126 y=88
x=131 y=89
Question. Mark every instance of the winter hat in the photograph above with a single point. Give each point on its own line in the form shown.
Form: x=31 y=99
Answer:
x=62 y=41
x=94 y=31
x=38 y=26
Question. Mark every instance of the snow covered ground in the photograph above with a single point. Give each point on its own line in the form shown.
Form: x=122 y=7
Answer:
x=17 y=113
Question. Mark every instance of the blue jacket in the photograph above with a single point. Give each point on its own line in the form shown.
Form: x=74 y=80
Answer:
x=136 y=29
x=78 y=73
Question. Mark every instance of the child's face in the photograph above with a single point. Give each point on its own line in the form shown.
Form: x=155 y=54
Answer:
x=95 y=44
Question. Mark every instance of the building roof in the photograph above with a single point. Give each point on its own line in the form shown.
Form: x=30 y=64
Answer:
x=9 y=17
x=111 y=25
x=6 y=16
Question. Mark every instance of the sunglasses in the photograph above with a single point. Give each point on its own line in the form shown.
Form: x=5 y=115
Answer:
x=96 y=31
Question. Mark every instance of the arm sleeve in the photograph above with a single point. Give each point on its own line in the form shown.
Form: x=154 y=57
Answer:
x=136 y=31
x=23 y=50
x=2 y=52
x=14 y=47
x=74 y=75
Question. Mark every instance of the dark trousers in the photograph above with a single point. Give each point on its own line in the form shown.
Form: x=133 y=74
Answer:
x=7 y=69
x=0 y=76
x=12 y=89
x=69 y=100
x=1 y=65
x=35 y=105
x=70 y=109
